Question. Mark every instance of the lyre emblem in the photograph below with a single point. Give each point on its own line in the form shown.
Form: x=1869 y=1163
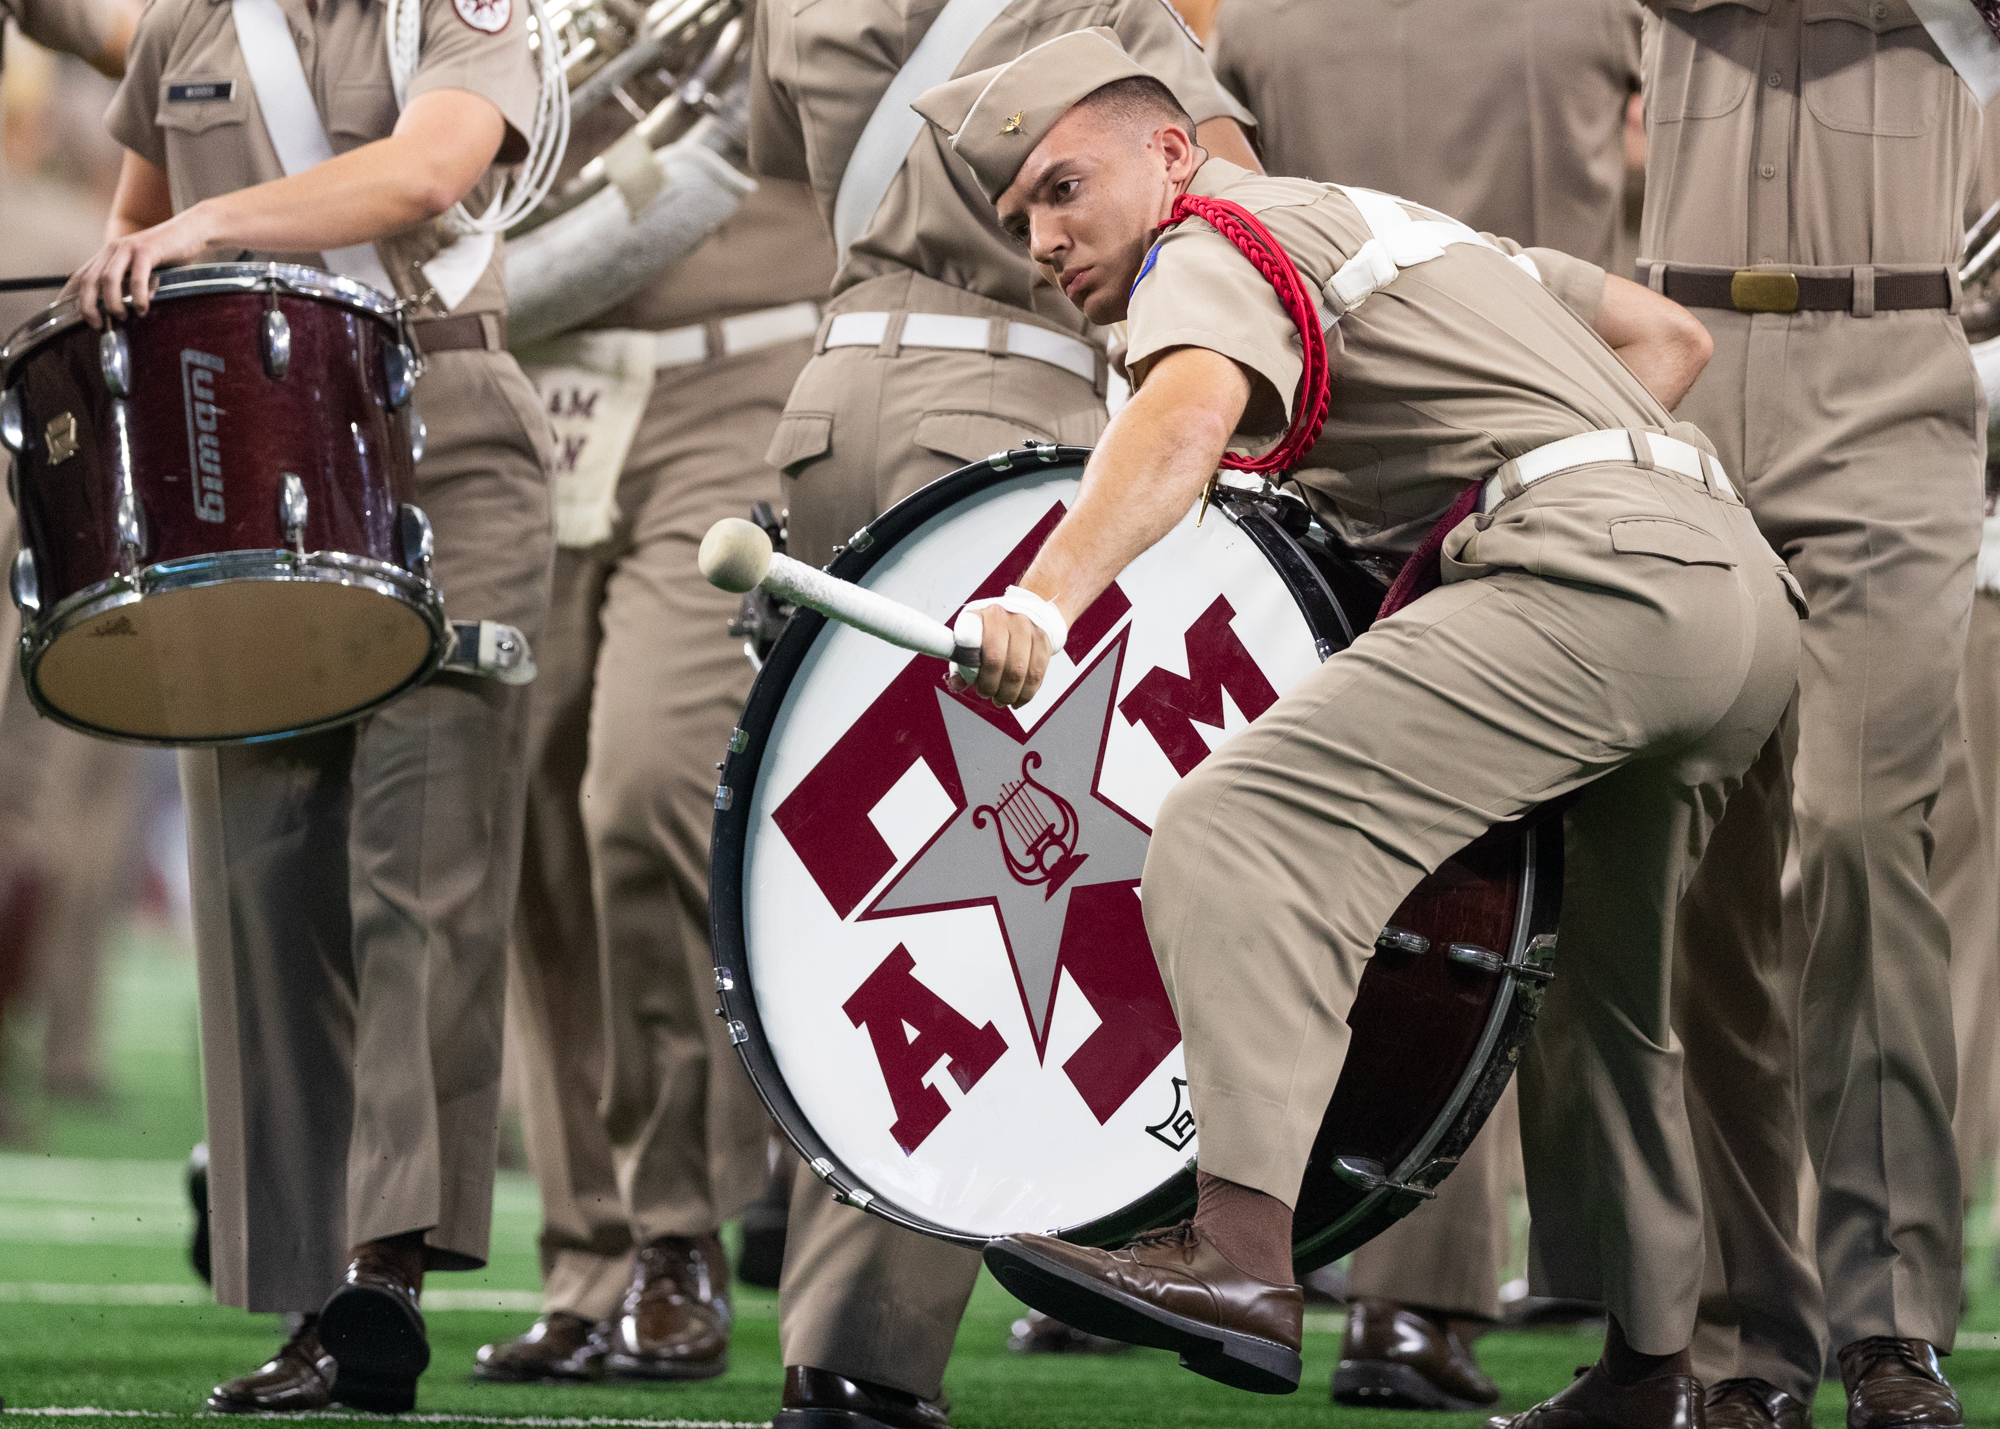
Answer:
x=1037 y=828
x=1013 y=124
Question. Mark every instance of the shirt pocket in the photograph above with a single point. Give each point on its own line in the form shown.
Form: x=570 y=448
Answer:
x=1868 y=67
x=207 y=143
x=1675 y=540
x=1708 y=58
x=360 y=112
x=179 y=114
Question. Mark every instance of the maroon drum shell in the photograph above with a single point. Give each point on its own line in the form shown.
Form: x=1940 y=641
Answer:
x=328 y=422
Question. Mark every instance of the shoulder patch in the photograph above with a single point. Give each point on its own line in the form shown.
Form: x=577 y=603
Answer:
x=487 y=16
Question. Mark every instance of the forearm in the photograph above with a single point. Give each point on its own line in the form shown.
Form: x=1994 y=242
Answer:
x=1150 y=468
x=1662 y=343
x=356 y=197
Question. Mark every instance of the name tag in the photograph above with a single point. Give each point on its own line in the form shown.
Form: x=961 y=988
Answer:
x=201 y=91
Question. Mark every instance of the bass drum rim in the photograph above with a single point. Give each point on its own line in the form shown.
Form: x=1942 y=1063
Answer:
x=1479 y=1086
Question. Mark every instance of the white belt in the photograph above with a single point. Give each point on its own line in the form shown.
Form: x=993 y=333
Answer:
x=746 y=332
x=967 y=334
x=1648 y=449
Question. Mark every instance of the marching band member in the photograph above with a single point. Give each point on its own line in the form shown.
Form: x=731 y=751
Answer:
x=940 y=346
x=664 y=407
x=1612 y=625
x=1528 y=140
x=353 y=888
x=1807 y=206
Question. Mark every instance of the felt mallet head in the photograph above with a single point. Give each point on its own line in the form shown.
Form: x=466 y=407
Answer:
x=735 y=555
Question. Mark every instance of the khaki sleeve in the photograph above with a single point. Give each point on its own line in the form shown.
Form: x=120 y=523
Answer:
x=496 y=65
x=1197 y=290
x=133 y=116
x=1160 y=40
x=1632 y=44
x=1579 y=284
x=73 y=27
x=777 y=137
x=1226 y=48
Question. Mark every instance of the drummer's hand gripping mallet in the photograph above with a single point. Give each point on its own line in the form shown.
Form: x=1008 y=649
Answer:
x=736 y=556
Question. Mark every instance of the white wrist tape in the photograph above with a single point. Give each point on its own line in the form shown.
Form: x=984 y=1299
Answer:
x=1043 y=613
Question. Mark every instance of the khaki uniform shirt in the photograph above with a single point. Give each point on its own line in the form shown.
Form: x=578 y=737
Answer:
x=773 y=250
x=72 y=27
x=218 y=145
x=821 y=67
x=1464 y=363
x=1804 y=133
x=1515 y=125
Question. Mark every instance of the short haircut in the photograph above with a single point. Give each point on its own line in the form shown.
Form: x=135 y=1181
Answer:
x=1138 y=99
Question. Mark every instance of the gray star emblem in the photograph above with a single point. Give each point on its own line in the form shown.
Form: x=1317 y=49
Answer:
x=1034 y=829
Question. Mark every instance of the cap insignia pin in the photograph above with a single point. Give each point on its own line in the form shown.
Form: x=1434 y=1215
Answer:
x=1013 y=124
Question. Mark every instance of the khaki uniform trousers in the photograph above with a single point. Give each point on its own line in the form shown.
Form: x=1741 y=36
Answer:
x=352 y=895
x=1446 y=1255
x=1965 y=880
x=859 y=1296
x=1837 y=1045
x=612 y=982
x=1645 y=682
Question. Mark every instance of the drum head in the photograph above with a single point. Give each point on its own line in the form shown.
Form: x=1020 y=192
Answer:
x=230 y=660
x=939 y=900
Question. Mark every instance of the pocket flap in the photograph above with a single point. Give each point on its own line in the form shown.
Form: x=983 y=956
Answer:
x=970 y=436
x=801 y=437
x=186 y=107
x=1664 y=536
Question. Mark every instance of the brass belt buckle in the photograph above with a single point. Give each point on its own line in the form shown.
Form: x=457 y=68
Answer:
x=1763 y=292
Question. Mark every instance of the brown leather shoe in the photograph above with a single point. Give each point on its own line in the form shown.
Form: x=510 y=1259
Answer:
x=1592 y=1401
x=1754 y=1404
x=1392 y=1358
x=821 y=1399
x=1169 y=1289
x=372 y=1326
x=298 y=1377
x=1896 y=1384
x=559 y=1347
x=674 y=1323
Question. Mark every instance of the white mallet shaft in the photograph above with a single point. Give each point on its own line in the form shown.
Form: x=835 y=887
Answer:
x=736 y=555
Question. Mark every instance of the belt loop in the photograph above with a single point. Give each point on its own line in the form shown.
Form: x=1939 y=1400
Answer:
x=711 y=341
x=490 y=331
x=1864 y=290
x=1102 y=381
x=1957 y=289
x=892 y=336
x=1656 y=278
x=996 y=337
x=819 y=333
x=1510 y=479
x=1642 y=450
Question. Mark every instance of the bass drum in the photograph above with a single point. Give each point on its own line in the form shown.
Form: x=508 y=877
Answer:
x=926 y=916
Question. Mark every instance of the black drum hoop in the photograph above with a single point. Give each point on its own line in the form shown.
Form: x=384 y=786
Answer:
x=1333 y=624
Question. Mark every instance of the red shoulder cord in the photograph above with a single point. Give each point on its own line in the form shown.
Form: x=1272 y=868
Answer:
x=1420 y=573
x=1309 y=404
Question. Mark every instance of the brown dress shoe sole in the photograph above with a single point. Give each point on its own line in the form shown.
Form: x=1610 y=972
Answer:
x=826 y=1419
x=378 y=1342
x=1083 y=1303
x=1384 y=1384
x=617 y=1366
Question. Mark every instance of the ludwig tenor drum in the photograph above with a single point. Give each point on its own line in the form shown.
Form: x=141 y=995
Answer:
x=218 y=537
x=927 y=923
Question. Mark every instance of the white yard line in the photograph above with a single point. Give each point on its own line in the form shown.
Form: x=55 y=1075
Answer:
x=20 y=1292
x=86 y=1411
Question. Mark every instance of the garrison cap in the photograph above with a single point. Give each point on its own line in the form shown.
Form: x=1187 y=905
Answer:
x=996 y=117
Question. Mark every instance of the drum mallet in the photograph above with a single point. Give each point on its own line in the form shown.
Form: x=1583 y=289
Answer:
x=736 y=556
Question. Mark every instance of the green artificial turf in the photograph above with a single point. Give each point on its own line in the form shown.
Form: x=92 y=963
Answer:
x=99 y=1309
